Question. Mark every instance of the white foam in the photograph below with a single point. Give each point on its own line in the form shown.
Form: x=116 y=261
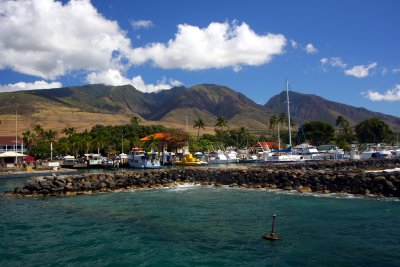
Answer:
x=386 y=170
x=183 y=187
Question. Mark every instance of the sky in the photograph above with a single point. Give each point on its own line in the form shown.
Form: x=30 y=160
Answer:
x=343 y=50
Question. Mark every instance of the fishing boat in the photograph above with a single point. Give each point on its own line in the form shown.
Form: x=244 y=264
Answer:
x=139 y=159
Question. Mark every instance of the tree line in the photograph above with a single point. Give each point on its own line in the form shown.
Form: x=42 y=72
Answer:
x=112 y=140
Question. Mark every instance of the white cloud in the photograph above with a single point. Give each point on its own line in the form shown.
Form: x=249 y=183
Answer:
x=141 y=24
x=390 y=95
x=293 y=43
x=337 y=62
x=219 y=45
x=396 y=70
x=163 y=84
x=46 y=38
x=21 y=86
x=361 y=71
x=384 y=71
x=114 y=77
x=109 y=77
x=310 y=49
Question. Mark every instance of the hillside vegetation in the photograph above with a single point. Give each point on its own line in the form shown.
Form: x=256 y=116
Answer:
x=83 y=107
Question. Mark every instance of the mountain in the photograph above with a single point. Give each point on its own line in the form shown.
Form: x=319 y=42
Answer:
x=308 y=107
x=83 y=107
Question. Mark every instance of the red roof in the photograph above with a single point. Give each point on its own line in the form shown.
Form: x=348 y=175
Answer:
x=9 y=140
x=266 y=145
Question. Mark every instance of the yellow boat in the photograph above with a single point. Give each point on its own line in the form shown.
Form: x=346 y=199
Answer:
x=189 y=160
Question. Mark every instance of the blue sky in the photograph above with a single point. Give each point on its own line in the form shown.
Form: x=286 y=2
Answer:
x=345 y=51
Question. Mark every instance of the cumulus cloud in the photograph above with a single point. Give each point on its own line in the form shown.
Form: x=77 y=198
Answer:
x=141 y=24
x=324 y=61
x=114 y=77
x=49 y=39
x=390 y=95
x=20 y=86
x=46 y=38
x=361 y=71
x=310 y=49
x=219 y=45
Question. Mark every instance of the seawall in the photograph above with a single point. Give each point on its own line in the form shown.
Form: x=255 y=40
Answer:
x=323 y=177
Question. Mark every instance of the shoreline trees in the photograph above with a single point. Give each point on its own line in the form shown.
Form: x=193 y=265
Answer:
x=109 y=140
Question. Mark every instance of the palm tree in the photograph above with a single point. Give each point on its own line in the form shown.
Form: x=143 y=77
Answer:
x=69 y=131
x=63 y=146
x=99 y=142
x=342 y=123
x=50 y=135
x=282 y=118
x=221 y=122
x=199 y=123
x=135 y=120
x=76 y=143
x=28 y=137
x=273 y=122
x=87 y=141
x=38 y=129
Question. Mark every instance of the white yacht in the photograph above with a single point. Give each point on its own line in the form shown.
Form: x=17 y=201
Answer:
x=93 y=160
x=218 y=158
x=231 y=156
x=139 y=159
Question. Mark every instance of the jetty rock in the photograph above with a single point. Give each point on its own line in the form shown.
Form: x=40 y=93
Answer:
x=350 y=177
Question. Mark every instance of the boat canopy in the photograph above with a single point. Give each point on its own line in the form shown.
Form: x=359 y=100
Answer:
x=11 y=154
x=286 y=150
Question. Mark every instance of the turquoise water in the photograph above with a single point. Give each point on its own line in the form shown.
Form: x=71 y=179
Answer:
x=197 y=226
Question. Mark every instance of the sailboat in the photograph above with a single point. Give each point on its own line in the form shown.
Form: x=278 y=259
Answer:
x=285 y=155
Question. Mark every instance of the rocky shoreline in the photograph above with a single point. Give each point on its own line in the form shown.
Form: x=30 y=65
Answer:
x=348 y=177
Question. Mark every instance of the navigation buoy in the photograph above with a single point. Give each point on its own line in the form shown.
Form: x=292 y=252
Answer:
x=271 y=236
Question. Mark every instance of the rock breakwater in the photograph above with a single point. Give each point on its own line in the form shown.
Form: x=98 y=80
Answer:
x=323 y=177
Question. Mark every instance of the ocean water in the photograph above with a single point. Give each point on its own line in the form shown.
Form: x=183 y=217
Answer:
x=197 y=226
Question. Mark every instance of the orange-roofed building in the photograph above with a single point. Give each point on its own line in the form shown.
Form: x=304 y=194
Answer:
x=156 y=136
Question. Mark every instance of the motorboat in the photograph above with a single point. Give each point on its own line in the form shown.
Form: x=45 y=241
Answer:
x=218 y=158
x=250 y=158
x=277 y=157
x=93 y=160
x=231 y=156
x=139 y=159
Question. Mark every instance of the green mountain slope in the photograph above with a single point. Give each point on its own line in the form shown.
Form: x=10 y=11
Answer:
x=177 y=106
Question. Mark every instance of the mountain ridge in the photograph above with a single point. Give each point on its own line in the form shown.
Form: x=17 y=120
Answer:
x=313 y=107
x=176 y=106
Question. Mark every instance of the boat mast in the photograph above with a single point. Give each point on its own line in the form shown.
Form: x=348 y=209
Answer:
x=288 y=111
x=16 y=135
